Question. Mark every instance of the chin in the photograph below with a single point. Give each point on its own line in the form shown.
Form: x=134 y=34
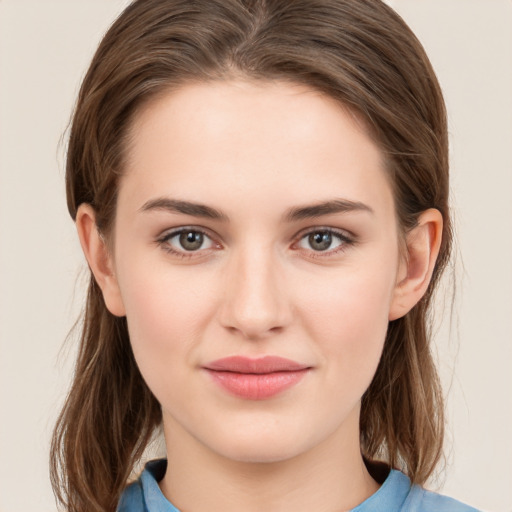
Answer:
x=260 y=447
x=257 y=454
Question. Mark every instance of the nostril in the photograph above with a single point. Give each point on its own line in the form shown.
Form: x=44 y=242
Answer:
x=253 y=328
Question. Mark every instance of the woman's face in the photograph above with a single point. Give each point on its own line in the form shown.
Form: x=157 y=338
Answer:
x=257 y=257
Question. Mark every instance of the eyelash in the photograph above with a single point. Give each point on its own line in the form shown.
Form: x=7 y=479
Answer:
x=345 y=241
x=163 y=241
x=344 y=238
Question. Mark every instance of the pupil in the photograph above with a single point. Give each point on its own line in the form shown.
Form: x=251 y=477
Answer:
x=191 y=241
x=320 y=241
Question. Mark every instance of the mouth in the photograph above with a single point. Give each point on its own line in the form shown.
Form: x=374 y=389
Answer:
x=256 y=379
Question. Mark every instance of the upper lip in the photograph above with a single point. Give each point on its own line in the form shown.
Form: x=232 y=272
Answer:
x=266 y=364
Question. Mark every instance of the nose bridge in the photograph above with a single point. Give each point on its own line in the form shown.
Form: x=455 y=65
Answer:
x=255 y=301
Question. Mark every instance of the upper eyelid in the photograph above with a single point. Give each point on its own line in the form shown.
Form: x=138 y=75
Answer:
x=164 y=242
x=346 y=239
x=171 y=232
x=167 y=235
x=336 y=231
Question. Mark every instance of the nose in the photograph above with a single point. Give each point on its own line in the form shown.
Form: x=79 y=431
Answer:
x=254 y=300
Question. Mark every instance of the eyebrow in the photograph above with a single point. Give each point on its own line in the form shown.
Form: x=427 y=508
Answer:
x=292 y=215
x=185 y=207
x=326 y=208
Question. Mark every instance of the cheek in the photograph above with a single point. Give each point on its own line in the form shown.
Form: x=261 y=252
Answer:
x=348 y=316
x=166 y=313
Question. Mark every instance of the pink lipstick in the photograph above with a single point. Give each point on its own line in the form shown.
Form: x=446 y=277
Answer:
x=256 y=379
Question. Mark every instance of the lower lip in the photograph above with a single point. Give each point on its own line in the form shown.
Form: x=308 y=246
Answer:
x=252 y=386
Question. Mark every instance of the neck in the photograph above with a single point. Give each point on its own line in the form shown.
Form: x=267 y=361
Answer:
x=331 y=477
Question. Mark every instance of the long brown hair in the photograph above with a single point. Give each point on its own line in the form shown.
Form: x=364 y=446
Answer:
x=359 y=52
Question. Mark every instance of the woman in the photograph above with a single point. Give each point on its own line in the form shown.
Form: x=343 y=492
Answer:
x=261 y=191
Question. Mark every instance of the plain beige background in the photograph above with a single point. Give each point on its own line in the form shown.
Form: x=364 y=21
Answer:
x=45 y=47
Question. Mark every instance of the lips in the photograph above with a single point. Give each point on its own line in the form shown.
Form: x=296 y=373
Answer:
x=256 y=379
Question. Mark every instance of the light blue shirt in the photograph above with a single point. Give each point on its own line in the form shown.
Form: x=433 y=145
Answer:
x=396 y=494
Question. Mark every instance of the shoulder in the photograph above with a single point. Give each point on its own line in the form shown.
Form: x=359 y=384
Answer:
x=396 y=494
x=421 y=500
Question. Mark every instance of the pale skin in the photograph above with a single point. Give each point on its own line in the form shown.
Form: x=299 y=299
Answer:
x=257 y=155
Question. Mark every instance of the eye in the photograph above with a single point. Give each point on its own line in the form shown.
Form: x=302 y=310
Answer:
x=323 y=240
x=186 y=240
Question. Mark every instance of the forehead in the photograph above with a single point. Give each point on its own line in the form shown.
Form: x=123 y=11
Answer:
x=225 y=142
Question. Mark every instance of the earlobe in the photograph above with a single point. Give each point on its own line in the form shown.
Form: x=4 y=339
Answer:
x=99 y=258
x=423 y=243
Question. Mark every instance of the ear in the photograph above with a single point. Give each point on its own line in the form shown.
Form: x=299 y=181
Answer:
x=417 y=265
x=99 y=258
